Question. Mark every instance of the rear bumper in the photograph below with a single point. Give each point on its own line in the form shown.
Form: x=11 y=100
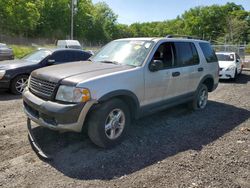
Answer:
x=53 y=115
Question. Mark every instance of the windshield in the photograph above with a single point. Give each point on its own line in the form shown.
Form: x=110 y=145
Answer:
x=225 y=57
x=125 y=52
x=38 y=56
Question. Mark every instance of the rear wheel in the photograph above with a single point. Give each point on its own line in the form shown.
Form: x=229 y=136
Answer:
x=108 y=123
x=201 y=98
x=18 y=84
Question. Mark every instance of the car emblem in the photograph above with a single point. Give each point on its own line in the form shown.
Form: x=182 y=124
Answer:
x=40 y=84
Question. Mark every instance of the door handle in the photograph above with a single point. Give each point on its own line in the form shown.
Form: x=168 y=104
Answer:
x=175 y=74
x=200 y=69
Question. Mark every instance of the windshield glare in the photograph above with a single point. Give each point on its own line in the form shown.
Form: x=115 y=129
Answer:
x=37 y=56
x=125 y=52
x=225 y=57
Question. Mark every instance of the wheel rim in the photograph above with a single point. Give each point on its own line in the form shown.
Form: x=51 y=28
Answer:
x=115 y=124
x=203 y=99
x=21 y=84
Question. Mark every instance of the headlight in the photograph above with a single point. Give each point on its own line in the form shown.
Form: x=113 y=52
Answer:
x=2 y=73
x=72 y=94
x=230 y=68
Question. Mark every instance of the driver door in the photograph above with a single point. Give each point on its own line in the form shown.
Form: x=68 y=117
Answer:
x=156 y=83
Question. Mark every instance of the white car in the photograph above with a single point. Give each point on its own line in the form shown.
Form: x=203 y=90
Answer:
x=75 y=44
x=230 y=65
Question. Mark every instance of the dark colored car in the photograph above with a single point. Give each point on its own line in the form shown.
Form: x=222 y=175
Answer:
x=6 y=53
x=14 y=74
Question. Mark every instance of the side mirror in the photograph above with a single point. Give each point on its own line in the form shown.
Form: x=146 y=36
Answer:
x=155 y=65
x=237 y=60
x=51 y=61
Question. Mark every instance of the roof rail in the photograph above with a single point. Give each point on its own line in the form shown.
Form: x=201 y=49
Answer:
x=183 y=36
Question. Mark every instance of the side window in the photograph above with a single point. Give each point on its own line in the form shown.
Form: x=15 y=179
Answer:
x=68 y=56
x=63 y=56
x=57 y=56
x=186 y=54
x=82 y=56
x=208 y=52
x=196 y=58
x=165 y=54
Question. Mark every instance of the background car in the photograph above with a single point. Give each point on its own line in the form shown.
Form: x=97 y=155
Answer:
x=14 y=73
x=75 y=44
x=230 y=65
x=6 y=53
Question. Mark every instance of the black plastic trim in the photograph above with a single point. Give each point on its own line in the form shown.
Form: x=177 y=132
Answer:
x=118 y=93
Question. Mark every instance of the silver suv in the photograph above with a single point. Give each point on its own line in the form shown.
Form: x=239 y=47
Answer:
x=125 y=80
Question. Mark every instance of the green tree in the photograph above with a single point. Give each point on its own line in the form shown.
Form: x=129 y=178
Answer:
x=55 y=19
x=19 y=17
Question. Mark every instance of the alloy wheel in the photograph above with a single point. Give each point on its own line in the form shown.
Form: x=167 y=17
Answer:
x=21 y=84
x=114 y=124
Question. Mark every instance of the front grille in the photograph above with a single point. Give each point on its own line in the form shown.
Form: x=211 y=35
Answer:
x=41 y=87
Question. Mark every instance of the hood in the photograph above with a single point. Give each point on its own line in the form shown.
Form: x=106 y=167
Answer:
x=12 y=64
x=225 y=64
x=77 y=72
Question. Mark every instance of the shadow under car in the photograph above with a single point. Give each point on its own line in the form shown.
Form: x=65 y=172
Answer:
x=150 y=139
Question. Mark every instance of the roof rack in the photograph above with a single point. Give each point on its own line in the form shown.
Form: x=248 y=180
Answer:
x=183 y=36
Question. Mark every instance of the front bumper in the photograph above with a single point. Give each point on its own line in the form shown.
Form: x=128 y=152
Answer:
x=226 y=74
x=53 y=115
x=4 y=84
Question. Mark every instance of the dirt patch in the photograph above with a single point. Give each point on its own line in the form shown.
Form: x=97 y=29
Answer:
x=172 y=148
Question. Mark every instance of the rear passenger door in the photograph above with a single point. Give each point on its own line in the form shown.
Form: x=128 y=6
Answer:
x=185 y=71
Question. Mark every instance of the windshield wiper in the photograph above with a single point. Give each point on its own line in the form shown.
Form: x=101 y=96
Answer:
x=111 y=62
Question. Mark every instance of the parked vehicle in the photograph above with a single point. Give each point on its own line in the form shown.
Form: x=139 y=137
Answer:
x=75 y=44
x=6 y=53
x=126 y=79
x=14 y=73
x=230 y=65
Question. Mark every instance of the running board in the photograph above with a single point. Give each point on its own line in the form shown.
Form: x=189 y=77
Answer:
x=34 y=144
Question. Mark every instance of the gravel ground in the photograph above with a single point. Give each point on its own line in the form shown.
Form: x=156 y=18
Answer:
x=173 y=148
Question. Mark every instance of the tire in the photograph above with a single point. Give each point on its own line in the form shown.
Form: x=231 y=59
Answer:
x=240 y=71
x=108 y=123
x=201 y=97
x=18 y=84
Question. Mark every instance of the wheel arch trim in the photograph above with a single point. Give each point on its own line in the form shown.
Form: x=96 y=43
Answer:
x=122 y=93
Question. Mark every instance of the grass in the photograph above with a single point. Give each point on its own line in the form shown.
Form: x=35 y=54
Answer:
x=20 y=50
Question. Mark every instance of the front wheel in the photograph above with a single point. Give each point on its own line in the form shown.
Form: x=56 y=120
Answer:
x=18 y=84
x=201 y=98
x=108 y=123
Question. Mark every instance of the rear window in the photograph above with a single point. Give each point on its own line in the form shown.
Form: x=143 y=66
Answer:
x=208 y=52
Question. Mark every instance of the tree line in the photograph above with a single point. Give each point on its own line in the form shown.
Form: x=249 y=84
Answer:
x=97 y=23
